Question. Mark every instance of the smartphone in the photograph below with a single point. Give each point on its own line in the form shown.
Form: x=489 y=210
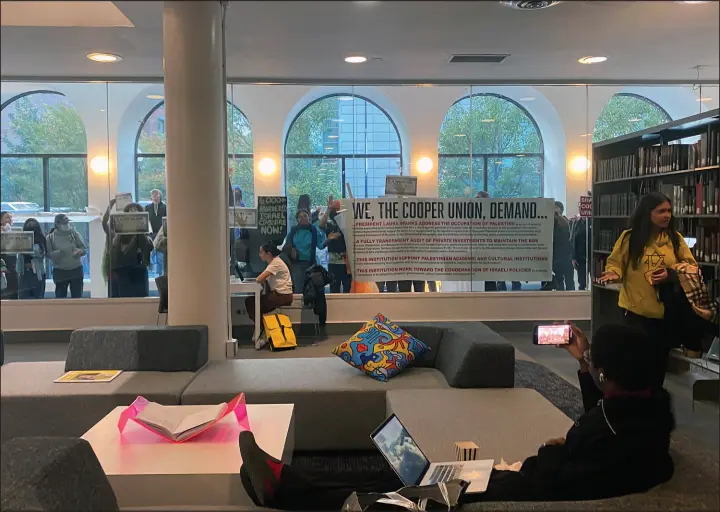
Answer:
x=552 y=335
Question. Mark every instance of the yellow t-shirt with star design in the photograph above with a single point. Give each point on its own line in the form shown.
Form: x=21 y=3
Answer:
x=637 y=293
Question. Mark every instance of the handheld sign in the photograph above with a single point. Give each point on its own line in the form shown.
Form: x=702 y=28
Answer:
x=585 y=206
x=131 y=223
x=272 y=219
x=17 y=242
x=400 y=185
x=122 y=200
x=243 y=218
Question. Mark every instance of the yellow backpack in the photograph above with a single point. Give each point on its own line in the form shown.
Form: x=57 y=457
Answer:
x=279 y=332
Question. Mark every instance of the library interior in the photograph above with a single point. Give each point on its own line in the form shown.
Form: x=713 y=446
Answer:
x=412 y=232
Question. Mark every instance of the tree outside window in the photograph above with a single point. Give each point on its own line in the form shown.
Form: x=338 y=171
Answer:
x=628 y=113
x=340 y=139
x=488 y=142
x=150 y=153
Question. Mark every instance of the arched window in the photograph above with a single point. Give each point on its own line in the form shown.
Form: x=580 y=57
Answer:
x=43 y=161
x=489 y=142
x=44 y=154
x=338 y=139
x=627 y=113
x=150 y=153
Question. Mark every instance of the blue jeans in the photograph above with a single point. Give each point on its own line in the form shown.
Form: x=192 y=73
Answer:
x=158 y=259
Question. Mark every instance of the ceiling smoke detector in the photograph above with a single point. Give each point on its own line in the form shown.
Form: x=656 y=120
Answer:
x=529 y=5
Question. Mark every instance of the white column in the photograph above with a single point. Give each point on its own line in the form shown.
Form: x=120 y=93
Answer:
x=195 y=169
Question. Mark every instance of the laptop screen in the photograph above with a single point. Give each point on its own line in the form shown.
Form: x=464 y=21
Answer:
x=396 y=445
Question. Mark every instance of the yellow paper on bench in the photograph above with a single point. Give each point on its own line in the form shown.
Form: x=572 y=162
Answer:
x=279 y=331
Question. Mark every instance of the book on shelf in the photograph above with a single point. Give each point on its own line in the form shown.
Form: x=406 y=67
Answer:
x=699 y=195
x=620 y=204
x=706 y=244
x=616 y=168
x=607 y=238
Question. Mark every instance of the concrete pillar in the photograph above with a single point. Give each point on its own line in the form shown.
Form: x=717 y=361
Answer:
x=195 y=169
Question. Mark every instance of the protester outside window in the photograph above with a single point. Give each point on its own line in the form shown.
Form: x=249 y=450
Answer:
x=156 y=211
x=65 y=249
x=10 y=291
x=301 y=244
x=564 y=278
x=129 y=258
x=337 y=253
x=31 y=268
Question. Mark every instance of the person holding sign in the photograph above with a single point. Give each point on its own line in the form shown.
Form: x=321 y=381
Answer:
x=130 y=258
x=301 y=244
x=65 y=250
x=337 y=253
x=10 y=291
x=640 y=261
x=279 y=285
x=31 y=267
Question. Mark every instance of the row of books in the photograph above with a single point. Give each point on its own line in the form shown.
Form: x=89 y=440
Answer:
x=707 y=244
x=700 y=195
x=621 y=204
x=607 y=238
x=616 y=168
x=662 y=159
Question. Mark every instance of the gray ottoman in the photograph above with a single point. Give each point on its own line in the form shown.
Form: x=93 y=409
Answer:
x=139 y=348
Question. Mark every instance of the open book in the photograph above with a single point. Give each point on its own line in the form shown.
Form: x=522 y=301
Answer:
x=179 y=422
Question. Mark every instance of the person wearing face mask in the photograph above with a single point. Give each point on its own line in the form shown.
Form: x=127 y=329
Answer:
x=301 y=244
x=65 y=250
x=31 y=267
x=129 y=259
x=619 y=446
x=11 y=277
x=156 y=211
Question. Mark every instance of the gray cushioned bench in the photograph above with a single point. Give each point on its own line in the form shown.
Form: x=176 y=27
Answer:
x=337 y=406
x=31 y=404
x=34 y=405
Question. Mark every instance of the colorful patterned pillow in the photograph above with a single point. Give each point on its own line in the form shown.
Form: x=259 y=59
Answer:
x=381 y=349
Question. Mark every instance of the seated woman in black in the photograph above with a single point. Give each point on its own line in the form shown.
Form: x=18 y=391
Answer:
x=619 y=446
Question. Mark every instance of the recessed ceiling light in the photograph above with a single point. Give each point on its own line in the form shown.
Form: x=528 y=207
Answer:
x=345 y=98
x=527 y=98
x=704 y=99
x=488 y=121
x=591 y=60
x=635 y=120
x=155 y=97
x=355 y=59
x=104 y=57
x=694 y=2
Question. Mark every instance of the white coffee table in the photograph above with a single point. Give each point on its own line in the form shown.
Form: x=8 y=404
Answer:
x=146 y=470
x=246 y=287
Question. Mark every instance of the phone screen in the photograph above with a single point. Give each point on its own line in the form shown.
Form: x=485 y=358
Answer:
x=552 y=335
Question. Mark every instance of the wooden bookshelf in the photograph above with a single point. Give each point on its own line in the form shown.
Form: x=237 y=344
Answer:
x=628 y=167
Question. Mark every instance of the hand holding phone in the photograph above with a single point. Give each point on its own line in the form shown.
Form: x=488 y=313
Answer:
x=552 y=334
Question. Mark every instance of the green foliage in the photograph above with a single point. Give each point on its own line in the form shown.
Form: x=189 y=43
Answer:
x=488 y=125
x=35 y=127
x=151 y=170
x=626 y=113
x=318 y=177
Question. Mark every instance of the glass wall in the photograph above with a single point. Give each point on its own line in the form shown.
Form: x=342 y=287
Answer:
x=71 y=148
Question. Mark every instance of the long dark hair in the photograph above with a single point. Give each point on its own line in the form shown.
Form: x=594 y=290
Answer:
x=33 y=225
x=641 y=227
x=304 y=203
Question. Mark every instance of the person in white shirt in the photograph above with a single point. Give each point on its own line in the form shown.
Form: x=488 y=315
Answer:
x=279 y=284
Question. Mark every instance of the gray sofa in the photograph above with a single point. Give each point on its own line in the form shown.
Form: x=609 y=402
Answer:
x=31 y=404
x=337 y=406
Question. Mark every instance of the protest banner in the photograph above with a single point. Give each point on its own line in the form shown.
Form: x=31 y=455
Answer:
x=272 y=218
x=131 y=223
x=243 y=218
x=449 y=239
x=12 y=242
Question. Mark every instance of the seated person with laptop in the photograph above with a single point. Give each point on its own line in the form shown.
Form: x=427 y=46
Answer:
x=619 y=446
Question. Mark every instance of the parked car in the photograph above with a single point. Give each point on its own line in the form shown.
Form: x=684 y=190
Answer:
x=20 y=207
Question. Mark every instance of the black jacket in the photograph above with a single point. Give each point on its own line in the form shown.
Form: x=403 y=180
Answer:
x=619 y=446
x=581 y=240
x=156 y=219
x=316 y=278
x=561 y=240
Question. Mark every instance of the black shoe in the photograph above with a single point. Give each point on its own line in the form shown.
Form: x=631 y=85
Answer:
x=262 y=470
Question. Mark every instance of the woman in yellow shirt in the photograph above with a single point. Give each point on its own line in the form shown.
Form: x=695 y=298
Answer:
x=640 y=260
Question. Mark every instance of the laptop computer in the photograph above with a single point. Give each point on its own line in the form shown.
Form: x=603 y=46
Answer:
x=413 y=467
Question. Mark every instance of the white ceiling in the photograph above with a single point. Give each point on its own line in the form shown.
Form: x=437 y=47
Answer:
x=646 y=41
x=61 y=14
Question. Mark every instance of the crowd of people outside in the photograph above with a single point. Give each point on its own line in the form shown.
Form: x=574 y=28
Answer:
x=315 y=238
